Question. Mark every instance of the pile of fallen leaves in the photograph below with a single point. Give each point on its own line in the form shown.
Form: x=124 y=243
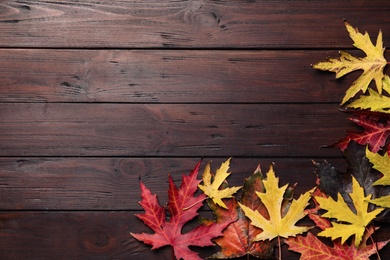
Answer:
x=342 y=206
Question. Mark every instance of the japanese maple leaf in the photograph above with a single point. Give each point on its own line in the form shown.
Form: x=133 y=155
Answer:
x=237 y=239
x=211 y=184
x=278 y=224
x=312 y=248
x=182 y=207
x=349 y=222
x=372 y=65
x=376 y=130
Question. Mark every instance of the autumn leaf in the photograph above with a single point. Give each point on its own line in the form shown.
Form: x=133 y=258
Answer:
x=349 y=223
x=277 y=225
x=376 y=130
x=381 y=202
x=382 y=164
x=373 y=102
x=182 y=207
x=312 y=248
x=237 y=239
x=211 y=184
x=334 y=182
x=372 y=65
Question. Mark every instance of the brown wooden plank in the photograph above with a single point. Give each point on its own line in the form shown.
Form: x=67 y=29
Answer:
x=63 y=129
x=189 y=24
x=167 y=76
x=90 y=235
x=113 y=183
x=79 y=235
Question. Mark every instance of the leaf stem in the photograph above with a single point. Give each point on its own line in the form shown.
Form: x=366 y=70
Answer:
x=190 y=206
x=280 y=249
x=376 y=245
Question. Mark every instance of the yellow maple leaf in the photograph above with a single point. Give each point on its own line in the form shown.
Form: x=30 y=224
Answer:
x=272 y=198
x=350 y=223
x=383 y=201
x=382 y=164
x=373 y=102
x=372 y=65
x=211 y=184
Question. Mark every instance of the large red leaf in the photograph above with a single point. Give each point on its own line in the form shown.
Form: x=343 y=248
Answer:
x=182 y=207
x=376 y=130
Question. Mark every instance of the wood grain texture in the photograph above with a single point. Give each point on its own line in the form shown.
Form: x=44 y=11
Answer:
x=77 y=235
x=63 y=129
x=167 y=76
x=90 y=235
x=97 y=95
x=187 y=24
x=113 y=183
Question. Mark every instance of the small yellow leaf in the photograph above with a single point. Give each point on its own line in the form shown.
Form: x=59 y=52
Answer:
x=211 y=185
x=382 y=201
x=386 y=84
x=350 y=223
x=382 y=164
x=277 y=225
x=372 y=65
x=373 y=102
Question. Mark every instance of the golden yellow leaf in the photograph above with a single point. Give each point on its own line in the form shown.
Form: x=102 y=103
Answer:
x=211 y=184
x=372 y=65
x=386 y=84
x=277 y=225
x=382 y=201
x=373 y=102
x=382 y=164
x=350 y=223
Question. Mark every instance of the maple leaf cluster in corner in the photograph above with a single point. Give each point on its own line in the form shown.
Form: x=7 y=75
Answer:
x=352 y=200
x=266 y=215
x=370 y=110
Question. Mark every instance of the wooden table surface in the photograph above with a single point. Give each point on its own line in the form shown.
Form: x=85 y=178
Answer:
x=95 y=95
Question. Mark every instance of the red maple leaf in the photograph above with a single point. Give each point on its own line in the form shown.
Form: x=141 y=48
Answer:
x=182 y=207
x=376 y=130
x=312 y=248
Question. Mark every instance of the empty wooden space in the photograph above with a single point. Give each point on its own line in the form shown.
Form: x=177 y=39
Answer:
x=98 y=95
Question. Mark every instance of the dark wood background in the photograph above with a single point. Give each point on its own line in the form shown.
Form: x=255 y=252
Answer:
x=95 y=95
